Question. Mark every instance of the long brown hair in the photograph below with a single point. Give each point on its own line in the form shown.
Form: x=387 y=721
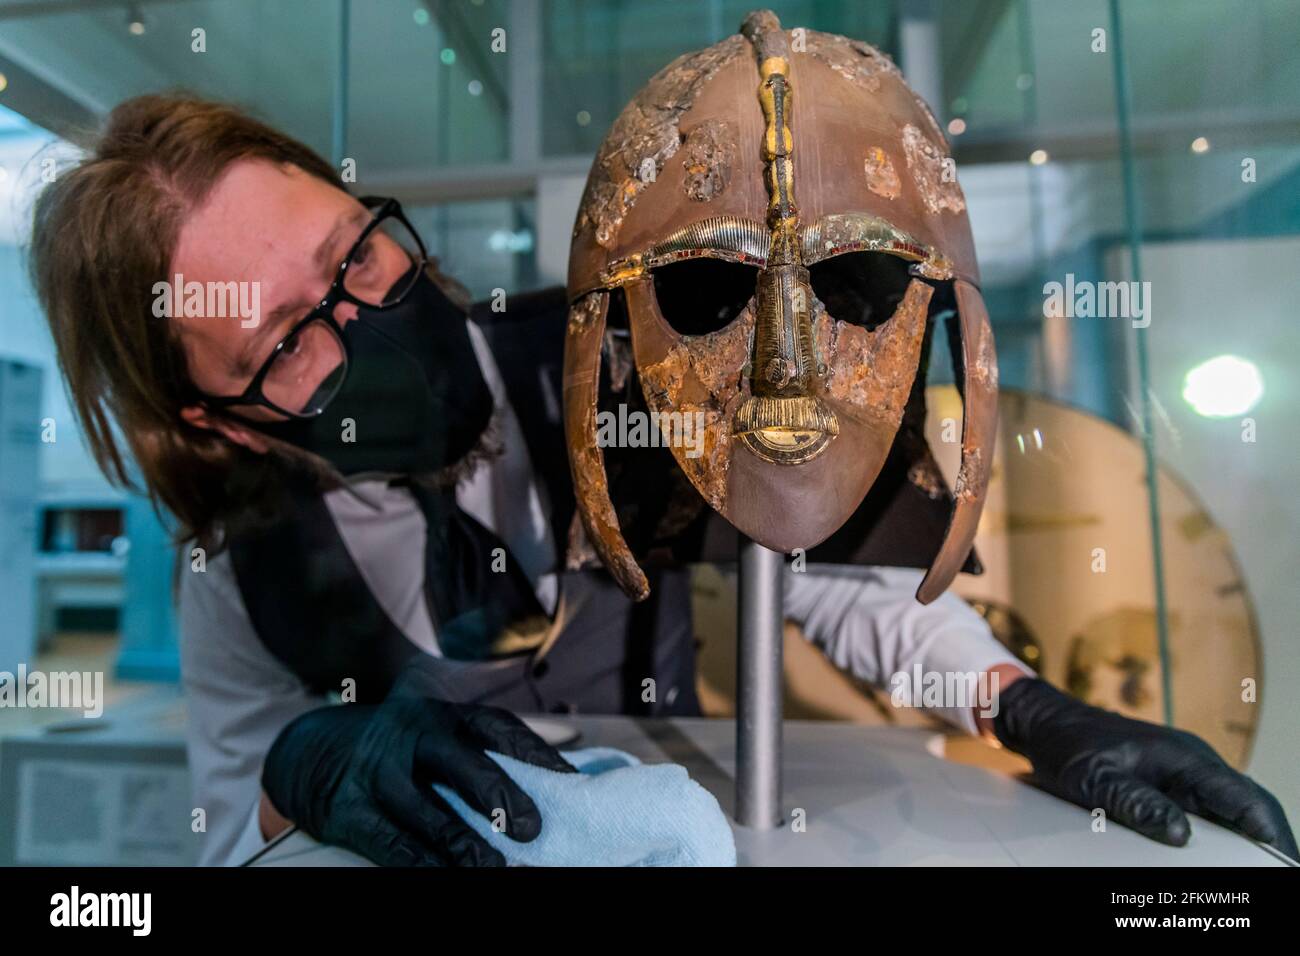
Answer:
x=103 y=234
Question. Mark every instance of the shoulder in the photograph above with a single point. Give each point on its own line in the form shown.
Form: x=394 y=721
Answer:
x=207 y=588
x=218 y=642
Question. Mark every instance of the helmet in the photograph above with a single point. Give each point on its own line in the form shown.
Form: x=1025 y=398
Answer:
x=773 y=215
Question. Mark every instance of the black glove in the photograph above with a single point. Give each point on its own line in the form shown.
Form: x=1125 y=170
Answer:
x=360 y=777
x=1143 y=775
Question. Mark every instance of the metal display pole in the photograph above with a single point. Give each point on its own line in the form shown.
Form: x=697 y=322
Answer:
x=758 y=687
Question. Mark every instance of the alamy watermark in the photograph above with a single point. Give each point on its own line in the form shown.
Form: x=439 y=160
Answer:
x=75 y=690
x=133 y=911
x=208 y=300
x=1098 y=300
x=638 y=429
x=958 y=690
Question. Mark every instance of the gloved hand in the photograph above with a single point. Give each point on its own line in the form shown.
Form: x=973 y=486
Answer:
x=360 y=777
x=1143 y=775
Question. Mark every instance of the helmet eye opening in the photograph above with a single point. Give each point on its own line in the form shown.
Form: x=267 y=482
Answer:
x=861 y=288
x=703 y=295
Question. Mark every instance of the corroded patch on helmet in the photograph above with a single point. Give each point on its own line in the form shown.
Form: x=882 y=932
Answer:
x=854 y=60
x=931 y=171
x=715 y=361
x=985 y=368
x=873 y=370
x=718 y=358
x=882 y=178
x=971 y=477
x=702 y=374
x=708 y=471
x=710 y=155
x=644 y=137
x=930 y=119
x=585 y=311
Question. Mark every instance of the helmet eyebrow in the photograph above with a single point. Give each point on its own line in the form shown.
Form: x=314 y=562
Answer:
x=749 y=242
x=730 y=238
x=861 y=232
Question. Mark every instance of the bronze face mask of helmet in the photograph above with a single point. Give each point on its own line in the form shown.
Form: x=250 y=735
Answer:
x=803 y=162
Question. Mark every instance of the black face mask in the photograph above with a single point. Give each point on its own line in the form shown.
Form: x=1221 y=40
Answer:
x=414 y=400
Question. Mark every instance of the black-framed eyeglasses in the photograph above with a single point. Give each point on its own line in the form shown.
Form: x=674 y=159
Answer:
x=307 y=367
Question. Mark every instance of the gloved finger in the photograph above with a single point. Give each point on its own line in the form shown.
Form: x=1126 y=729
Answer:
x=1138 y=806
x=494 y=728
x=459 y=841
x=1239 y=803
x=381 y=841
x=422 y=813
x=481 y=783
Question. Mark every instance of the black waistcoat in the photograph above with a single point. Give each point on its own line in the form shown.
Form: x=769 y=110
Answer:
x=302 y=590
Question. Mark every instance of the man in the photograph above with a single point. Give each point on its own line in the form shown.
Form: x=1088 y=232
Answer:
x=366 y=517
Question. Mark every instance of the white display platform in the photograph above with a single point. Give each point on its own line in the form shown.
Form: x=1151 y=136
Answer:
x=878 y=797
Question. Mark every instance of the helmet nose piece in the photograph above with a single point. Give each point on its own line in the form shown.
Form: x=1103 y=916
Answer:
x=782 y=420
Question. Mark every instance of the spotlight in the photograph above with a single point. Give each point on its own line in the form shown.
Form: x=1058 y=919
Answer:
x=1223 y=387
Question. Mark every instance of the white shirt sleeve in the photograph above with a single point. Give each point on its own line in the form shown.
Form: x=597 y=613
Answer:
x=867 y=621
x=240 y=697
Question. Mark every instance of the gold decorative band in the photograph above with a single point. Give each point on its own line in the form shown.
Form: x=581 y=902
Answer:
x=785 y=431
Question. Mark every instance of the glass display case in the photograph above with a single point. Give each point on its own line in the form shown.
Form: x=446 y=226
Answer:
x=1132 y=172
